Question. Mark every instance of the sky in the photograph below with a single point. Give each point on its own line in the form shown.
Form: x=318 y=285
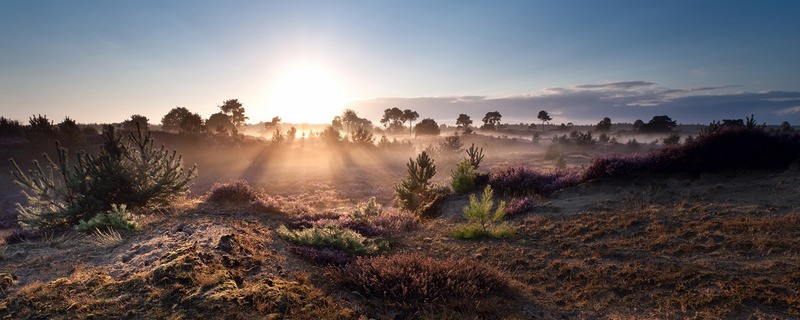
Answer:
x=696 y=61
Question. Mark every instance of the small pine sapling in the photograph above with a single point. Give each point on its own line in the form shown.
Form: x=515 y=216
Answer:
x=480 y=211
x=464 y=177
x=414 y=191
x=482 y=220
x=367 y=211
x=131 y=172
x=475 y=156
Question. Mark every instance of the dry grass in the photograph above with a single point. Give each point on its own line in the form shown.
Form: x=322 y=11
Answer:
x=108 y=238
x=666 y=261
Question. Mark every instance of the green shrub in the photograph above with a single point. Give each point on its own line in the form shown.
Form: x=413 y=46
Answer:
x=118 y=218
x=463 y=177
x=482 y=220
x=367 y=211
x=127 y=171
x=415 y=191
x=331 y=237
x=475 y=156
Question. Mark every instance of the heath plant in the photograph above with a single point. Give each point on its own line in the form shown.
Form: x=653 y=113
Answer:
x=483 y=221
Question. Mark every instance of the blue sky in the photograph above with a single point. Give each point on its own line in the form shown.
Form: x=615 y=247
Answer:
x=101 y=61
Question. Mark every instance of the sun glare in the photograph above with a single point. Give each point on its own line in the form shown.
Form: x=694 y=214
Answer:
x=306 y=94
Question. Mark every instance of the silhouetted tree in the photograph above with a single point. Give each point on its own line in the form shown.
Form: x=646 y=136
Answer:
x=181 y=119
x=544 y=117
x=409 y=116
x=491 y=120
x=336 y=123
x=362 y=137
x=638 y=124
x=173 y=119
x=10 y=128
x=392 y=119
x=463 y=122
x=331 y=136
x=69 y=132
x=233 y=108
x=659 y=124
x=786 y=127
x=192 y=123
x=136 y=121
x=733 y=123
x=39 y=129
x=291 y=134
x=603 y=125
x=427 y=127
x=220 y=123
x=351 y=119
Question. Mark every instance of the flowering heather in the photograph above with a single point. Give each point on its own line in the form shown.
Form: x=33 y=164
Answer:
x=521 y=205
x=730 y=149
x=396 y=220
x=523 y=181
x=415 y=277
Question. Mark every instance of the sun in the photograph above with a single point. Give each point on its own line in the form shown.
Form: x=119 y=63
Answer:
x=306 y=94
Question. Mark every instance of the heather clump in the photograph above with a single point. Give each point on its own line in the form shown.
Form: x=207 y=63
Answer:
x=240 y=195
x=521 y=180
x=520 y=205
x=718 y=149
x=419 y=278
x=236 y=192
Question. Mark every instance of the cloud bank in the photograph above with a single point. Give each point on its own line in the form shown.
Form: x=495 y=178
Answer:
x=623 y=101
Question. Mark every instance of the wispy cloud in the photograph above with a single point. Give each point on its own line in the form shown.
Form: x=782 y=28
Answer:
x=617 y=85
x=588 y=103
x=787 y=111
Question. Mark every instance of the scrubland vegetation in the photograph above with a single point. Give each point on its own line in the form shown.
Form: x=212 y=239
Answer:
x=528 y=222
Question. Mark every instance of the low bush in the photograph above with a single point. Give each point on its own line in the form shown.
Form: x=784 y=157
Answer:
x=118 y=218
x=394 y=219
x=518 y=181
x=729 y=148
x=367 y=211
x=236 y=192
x=521 y=205
x=329 y=236
x=418 y=278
